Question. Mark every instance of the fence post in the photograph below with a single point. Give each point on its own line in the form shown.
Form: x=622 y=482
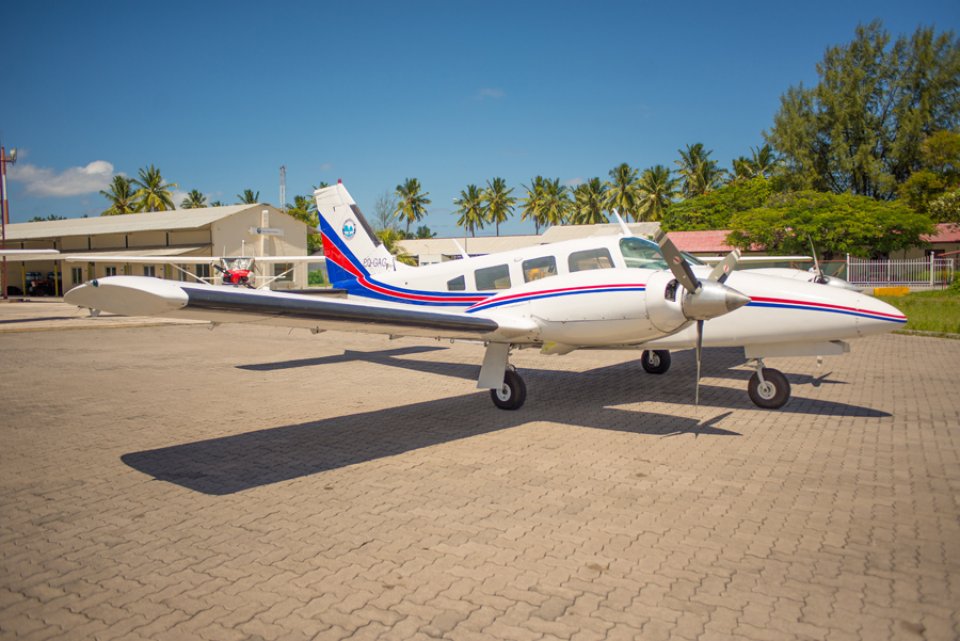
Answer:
x=849 y=274
x=932 y=263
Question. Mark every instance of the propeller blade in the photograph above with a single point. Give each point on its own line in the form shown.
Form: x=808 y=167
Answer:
x=699 y=354
x=721 y=270
x=680 y=268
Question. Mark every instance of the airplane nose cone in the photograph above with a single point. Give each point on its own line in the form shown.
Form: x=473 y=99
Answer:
x=877 y=317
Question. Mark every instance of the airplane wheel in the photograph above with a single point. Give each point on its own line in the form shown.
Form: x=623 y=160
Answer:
x=512 y=393
x=773 y=393
x=655 y=361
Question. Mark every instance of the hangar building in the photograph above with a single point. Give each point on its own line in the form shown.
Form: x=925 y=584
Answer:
x=236 y=230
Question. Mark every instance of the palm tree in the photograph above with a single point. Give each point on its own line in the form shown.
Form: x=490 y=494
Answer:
x=698 y=173
x=304 y=209
x=471 y=210
x=532 y=205
x=589 y=201
x=121 y=197
x=622 y=193
x=153 y=194
x=248 y=197
x=216 y=203
x=411 y=204
x=761 y=162
x=194 y=200
x=658 y=190
x=498 y=201
x=556 y=204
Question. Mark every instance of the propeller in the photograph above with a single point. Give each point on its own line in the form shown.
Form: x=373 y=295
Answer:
x=703 y=299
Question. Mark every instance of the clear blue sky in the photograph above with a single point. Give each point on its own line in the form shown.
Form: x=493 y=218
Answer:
x=218 y=95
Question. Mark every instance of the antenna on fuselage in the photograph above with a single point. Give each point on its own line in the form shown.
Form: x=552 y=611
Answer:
x=463 y=252
x=623 y=226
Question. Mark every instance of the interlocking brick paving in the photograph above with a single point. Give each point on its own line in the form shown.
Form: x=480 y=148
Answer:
x=253 y=483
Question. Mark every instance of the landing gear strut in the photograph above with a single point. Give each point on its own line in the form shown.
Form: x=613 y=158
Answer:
x=655 y=361
x=768 y=388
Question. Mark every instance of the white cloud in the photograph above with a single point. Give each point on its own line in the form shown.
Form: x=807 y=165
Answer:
x=490 y=93
x=177 y=197
x=573 y=182
x=42 y=181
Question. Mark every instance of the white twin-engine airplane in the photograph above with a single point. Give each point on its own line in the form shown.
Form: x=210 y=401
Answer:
x=614 y=292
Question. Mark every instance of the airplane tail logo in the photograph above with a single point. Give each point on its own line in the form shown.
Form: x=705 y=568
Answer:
x=350 y=245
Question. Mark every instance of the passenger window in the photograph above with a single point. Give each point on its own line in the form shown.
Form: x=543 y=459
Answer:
x=537 y=268
x=493 y=278
x=639 y=253
x=457 y=284
x=590 y=259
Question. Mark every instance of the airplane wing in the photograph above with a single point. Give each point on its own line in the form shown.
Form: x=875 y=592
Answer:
x=713 y=260
x=145 y=296
x=181 y=260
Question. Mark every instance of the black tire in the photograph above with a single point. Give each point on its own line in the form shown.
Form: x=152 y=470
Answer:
x=774 y=394
x=512 y=393
x=655 y=361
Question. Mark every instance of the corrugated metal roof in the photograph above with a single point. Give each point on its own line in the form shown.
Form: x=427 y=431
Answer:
x=127 y=224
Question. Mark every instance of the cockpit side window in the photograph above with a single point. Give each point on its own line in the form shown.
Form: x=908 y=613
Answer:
x=642 y=254
x=537 y=268
x=590 y=259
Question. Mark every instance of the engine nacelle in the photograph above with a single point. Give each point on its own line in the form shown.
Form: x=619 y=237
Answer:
x=664 y=302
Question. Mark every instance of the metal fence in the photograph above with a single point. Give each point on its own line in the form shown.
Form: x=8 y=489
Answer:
x=917 y=272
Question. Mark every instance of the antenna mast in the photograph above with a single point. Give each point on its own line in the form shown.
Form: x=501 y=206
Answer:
x=283 y=188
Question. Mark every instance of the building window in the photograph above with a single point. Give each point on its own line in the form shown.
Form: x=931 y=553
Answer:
x=493 y=278
x=457 y=284
x=76 y=275
x=590 y=259
x=537 y=268
x=202 y=270
x=110 y=271
x=150 y=270
x=283 y=272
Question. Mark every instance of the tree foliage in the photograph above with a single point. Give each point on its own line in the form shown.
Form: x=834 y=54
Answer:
x=411 y=202
x=623 y=191
x=153 y=194
x=120 y=196
x=658 y=189
x=470 y=207
x=860 y=128
x=498 y=202
x=194 y=200
x=698 y=174
x=714 y=209
x=248 y=197
x=837 y=224
x=589 y=200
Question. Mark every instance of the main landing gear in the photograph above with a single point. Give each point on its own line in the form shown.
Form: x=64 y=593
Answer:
x=655 y=361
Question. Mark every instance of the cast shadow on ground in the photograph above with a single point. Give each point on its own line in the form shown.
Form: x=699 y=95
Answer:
x=239 y=462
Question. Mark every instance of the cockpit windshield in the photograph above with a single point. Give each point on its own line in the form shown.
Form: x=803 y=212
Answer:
x=242 y=262
x=641 y=253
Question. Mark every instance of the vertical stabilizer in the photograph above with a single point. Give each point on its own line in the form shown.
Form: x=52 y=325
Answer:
x=351 y=247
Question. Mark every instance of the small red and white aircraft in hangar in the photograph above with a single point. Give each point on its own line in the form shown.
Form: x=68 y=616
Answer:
x=612 y=292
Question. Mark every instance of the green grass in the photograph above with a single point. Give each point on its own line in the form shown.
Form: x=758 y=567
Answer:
x=936 y=311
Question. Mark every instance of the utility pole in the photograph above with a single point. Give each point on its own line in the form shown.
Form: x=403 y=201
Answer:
x=4 y=210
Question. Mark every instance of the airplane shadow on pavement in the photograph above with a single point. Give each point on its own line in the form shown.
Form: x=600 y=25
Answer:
x=239 y=462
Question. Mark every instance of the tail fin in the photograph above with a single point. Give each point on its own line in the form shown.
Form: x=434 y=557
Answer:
x=349 y=243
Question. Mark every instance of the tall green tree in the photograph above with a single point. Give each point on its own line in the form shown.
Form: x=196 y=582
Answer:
x=471 y=209
x=248 y=197
x=623 y=192
x=411 y=203
x=938 y=175
x=658 y=189
x=698 y=173
x=153 y=194
x=589 y=200
x=498 y=202
x=860 y=128
x=194 y=200
x=120 y=196
x=714 y=210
